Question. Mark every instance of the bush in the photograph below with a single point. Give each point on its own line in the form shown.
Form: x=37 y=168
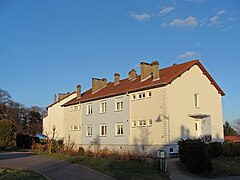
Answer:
x=7 y=133
x=81 y=151
x=215 y=149
x=194 y=154
x=230 y=149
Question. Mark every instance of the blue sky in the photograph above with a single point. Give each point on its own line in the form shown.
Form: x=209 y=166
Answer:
x=48 y=47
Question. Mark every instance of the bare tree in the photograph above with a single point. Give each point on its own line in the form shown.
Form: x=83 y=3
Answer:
x=236 y=125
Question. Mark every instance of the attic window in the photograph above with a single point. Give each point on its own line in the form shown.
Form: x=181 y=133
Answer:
x=196 y=100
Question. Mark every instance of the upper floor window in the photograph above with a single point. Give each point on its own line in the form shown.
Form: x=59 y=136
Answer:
x=141 y=122
x=103 y=130
x=103 y=107
x=119 y=129
x=196 y=100
x=89 y=109
x=141 y=95
x=149 y=94
x=133 y=97
x=149 y=122
x=118 y=104
x=89 y=130
x=134 y=124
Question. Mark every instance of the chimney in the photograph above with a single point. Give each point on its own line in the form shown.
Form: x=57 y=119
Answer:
x=98 y=84
x=62 y=95
x=55 y=98
x=116 y=78
x=146 y=70
x=155 y=68
x=132 y=74
x=78 y=91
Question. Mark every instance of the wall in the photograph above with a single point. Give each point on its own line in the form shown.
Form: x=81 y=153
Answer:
x=73 y=125
x=56 y=118
x=110 y=118
x=147 y=137
x=180 y=98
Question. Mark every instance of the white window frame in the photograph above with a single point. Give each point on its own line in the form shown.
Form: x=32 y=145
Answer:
x=142 y=123
x=89 y=109
x=134 y=124
x=149 y=94
x=103 y=129
x=141 y=95
x=149 y=122
x=119 y=129
x=103 y=107
x=119 y=104
x=133 y=97
x=89 y=133
x=196 y=100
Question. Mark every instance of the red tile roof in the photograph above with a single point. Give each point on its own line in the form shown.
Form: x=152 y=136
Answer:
x=69 y=94
x=232 y=138
x=167 y=75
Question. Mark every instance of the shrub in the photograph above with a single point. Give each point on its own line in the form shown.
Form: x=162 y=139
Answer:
x=215 y=149
x=81 y=151
x=194 y=154
x=24 y=141
x=7 y=133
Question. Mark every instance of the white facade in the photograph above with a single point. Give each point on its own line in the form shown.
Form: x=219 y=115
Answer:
x=110 y=128
x=55 y=118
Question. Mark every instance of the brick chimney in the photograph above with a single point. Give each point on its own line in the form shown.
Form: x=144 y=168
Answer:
x=146 y=70
x=155 y=68
x=55 y=98
x=116 y=78
x=78 y=91
x=98 y=84
x=132 y=74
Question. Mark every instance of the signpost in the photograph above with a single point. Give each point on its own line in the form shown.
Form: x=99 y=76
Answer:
x=162 y=156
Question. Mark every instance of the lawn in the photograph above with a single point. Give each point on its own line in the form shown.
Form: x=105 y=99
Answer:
x=12 y=174
x=119 y=169
x=226 y=166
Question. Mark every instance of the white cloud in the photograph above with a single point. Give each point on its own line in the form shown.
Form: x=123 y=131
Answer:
x=188 y=22
x=214 y=20
x=141 y=17
x=166 y=10
x=220 y=12
x=188 y=54
x=195 y=1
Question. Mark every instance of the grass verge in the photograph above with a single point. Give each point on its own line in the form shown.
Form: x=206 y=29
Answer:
x=13 y=174
x=222 y=166
x=119 y=169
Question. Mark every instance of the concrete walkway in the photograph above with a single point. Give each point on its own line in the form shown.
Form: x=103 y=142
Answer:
x=51 y=168
x=176 y=173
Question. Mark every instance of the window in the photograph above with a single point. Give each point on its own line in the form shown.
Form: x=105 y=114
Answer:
x=119 y=129
x=196 y=126
x=149 y=124
x=103 y=107
x=141 y=95
x=196 y=100
x=134 y=124
x=141 y=122
x=149 y=94
x=75 y=108
x=118 y=104
x=70 y=128
x=171 y=150
x=133 y=97
x=75 y=128
x=89 y=109
x=71 y=108
x=89 y=130
x=103 y=130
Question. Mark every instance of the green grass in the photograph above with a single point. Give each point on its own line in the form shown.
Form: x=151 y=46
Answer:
x=222 y=166
x=12 y=174
x=226 y=166
x=119 y=169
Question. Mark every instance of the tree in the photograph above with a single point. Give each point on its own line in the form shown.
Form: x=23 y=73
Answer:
x=7 y=133
x=228 y=130
x=236 y=125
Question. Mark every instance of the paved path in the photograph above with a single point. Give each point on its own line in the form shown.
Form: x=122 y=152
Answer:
x=176 y=174
x=53 y=169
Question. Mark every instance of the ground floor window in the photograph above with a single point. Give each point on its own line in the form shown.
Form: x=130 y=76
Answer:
x=119 y=129
x=89 y=130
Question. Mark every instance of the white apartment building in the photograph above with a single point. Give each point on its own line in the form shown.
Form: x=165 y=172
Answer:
x=146 y=112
